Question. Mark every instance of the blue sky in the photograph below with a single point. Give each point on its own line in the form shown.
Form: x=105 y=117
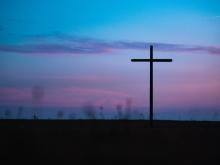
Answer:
x=142 y=20
x=79 y=52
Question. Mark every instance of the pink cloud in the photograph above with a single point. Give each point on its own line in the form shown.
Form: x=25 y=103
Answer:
x=187 y=94
x=70 y=96
x=99 y=90
x=14 y=96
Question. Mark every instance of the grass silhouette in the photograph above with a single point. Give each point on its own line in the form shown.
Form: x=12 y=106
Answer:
x=99 y=141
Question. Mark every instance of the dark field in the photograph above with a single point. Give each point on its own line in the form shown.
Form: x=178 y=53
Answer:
x=110 y=142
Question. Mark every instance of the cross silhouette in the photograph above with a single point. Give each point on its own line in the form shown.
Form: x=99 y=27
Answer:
x=151 y=60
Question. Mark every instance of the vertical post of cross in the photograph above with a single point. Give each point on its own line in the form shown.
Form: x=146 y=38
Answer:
x=151 y=85
x=151 y=60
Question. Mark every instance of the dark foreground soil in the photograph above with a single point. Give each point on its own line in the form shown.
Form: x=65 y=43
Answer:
x=109 y=142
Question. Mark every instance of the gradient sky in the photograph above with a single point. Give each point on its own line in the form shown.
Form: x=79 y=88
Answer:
x=71 y=53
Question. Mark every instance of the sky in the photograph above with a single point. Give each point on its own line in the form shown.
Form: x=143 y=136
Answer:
x=70 y=54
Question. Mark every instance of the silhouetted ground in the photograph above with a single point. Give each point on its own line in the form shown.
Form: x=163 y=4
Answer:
x=110 y=142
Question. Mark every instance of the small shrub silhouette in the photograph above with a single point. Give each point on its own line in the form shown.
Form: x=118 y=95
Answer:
x=35 y=116
x=119 y=109
x=102 y=116
x=20 y=112
x=7 y=114
x=72 y=116
x=89 y=111
x=141 y=116
x=60 y=114
x=128 y=114
x=215 y=116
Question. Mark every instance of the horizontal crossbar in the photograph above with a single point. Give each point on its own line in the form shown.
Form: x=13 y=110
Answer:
x=154 y=60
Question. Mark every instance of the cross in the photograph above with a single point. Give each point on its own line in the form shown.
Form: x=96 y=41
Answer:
x=151 y=60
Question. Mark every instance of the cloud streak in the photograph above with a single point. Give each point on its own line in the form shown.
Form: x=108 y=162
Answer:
x=65 y=44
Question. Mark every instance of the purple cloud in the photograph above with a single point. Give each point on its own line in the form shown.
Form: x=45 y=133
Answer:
x=65 y=44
